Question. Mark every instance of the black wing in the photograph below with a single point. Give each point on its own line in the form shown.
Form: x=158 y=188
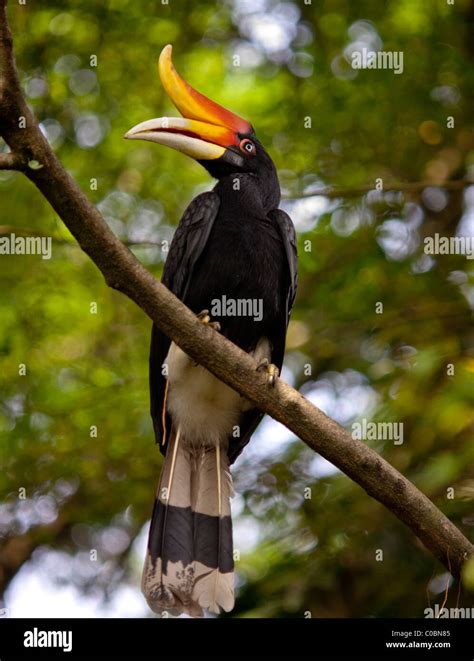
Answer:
x=186 y=247
x=288 y=235
x=252 y=418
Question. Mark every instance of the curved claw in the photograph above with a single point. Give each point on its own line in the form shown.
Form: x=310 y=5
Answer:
x=272 y=370
x=205 y=318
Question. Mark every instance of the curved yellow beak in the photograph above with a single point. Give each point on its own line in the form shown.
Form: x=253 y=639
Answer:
x=205 y=132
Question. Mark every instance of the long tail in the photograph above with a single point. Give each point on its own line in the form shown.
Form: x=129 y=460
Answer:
x=168 y=574
x=189 y=561
x=213 y=553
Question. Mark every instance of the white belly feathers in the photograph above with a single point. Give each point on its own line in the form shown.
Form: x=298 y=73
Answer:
x=206 y=410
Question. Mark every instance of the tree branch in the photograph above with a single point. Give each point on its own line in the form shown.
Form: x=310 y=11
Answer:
x=18 y=549
x=11 y=161
x=26 y=231
x=11 y=96
x=230 y=364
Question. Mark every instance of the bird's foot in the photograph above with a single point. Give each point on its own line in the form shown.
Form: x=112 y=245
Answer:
x=205 y=318
x=272 y=370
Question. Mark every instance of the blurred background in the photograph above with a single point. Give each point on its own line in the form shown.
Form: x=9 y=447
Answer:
x=78 y=462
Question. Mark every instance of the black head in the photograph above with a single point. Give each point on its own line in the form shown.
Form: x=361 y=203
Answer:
x=249 y=157
x=222 y=142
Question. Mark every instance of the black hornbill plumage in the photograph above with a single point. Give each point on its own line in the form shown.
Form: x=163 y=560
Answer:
x=232 y=243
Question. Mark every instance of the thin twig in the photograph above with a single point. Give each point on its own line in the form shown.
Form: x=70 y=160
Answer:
x=446 y=593
x=401 y=186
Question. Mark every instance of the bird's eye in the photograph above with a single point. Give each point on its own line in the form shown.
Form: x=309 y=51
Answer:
x=247 y=146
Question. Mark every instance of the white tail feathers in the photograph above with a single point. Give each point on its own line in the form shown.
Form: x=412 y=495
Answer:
x=213 y=589
x=189 y=564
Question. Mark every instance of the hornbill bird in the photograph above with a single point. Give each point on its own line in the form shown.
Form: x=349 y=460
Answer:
x=232 y=244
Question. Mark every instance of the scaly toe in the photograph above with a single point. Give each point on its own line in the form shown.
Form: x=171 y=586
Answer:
x=272 y=370
x=263 y=365
x=204 y=317
x=273 y=374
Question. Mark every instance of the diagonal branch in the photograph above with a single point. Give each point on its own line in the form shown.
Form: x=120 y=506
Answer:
x=230 y=364
x=10 y=90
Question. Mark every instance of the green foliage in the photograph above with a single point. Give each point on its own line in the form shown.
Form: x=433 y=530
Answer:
x=77 y=430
